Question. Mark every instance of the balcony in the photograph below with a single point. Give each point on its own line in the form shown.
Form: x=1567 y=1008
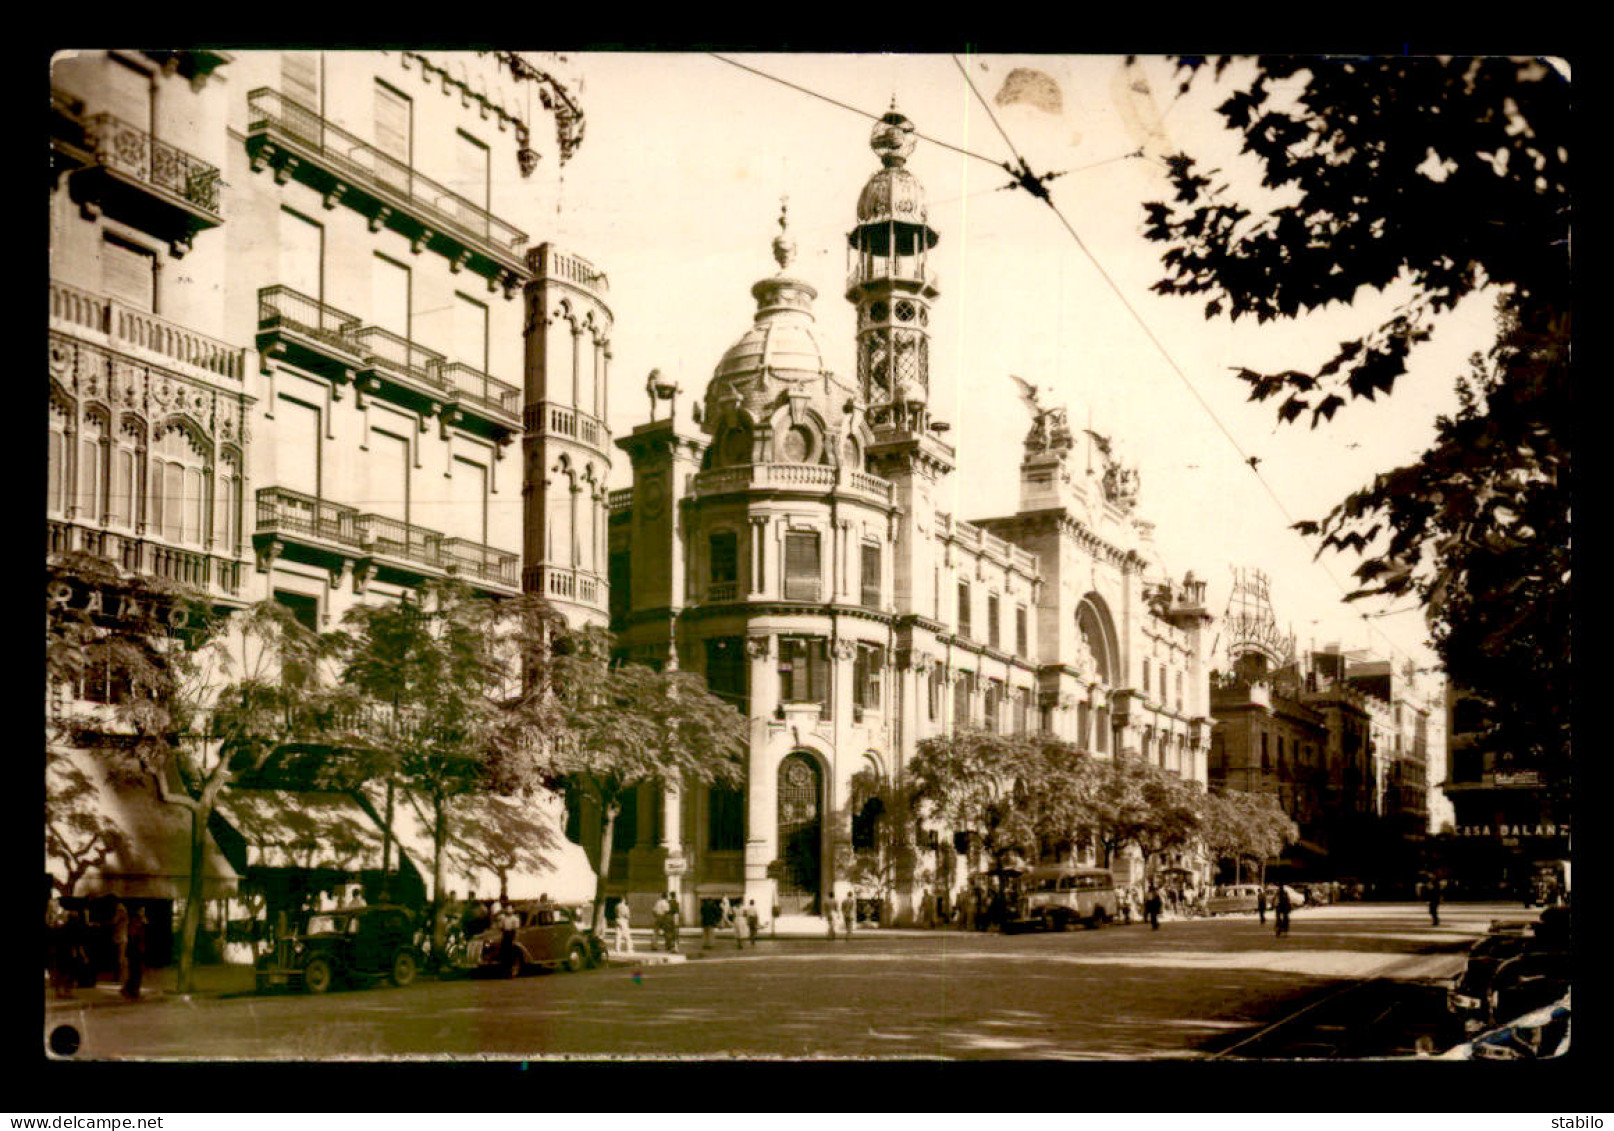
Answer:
x=297 y=143
x=475 y=389
x=558 y=583
x=147 y=557
x=306 y=333
x=552 y=263
x=547 y=419
x=722 y=591
x=793 y=477
x=134 y=177
x=143 y=335
x=336 y=537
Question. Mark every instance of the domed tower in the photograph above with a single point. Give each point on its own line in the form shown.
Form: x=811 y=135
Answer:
x=892 y=286
x=771 y=398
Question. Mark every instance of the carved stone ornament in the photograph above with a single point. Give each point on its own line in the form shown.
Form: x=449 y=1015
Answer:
x=845 y=649
x=921 y=663
x=758 y=647
x=61 y=359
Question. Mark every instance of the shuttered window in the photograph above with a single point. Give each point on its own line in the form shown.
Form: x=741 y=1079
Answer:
x=804 y=669
x=802 y=565
x=299 y=78
x=994 y=699
x=964 y=609
x=301 y=252
x=871 y=576
x=1020 y=642
x=129 y=93
x=392 y=122
x=725 y=550
x=129 y=273
x=471 y=332
x=468 y=517
x=963 y=694
x=866 y=669
x=992 y=636
x=391 y=294
x=471 y=180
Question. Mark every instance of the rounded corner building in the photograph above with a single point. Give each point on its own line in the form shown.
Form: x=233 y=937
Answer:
x=794 y=552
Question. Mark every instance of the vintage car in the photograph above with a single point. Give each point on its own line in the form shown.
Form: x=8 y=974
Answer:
x=351 y=946
x=1233 y=899
x=550 y=936
x=1058 y=898
x=1469 y=995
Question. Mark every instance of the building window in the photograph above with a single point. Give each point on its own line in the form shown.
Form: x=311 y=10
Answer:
x=963 y=693
x=725 y=559
x=1179 y=691
x=304 y=609
x=804 y=669
x=1021 y=641
x=992 y=636
x=468 y=489
x=394 y=129
x=471 y=178
x=621 y=574
x=57 y=489
x=92 y=461
x=129 y=93
x=871 y=576
x=1084 y=725
x=129 y=273
x=1146 y=677
x=177 y=500
x=127 y=480
x=964 y=609
x=299 y=78
x=867 y=667
x=227 y=490
x=1266 y=759
x=938 y=685
x=1022 y=710
x=301 y=252
x=802 y=565
x=994 y=699
x=390 y=285
x=471 y=332
x=726 y=670
x=725 y=819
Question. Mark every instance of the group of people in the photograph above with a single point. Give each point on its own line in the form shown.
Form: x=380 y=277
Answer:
x=845 y=912
x=743 y=922
x=70 y=947
x=975 y=908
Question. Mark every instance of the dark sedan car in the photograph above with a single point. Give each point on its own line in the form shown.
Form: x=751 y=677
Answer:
x=550 y=936
x=351 y=946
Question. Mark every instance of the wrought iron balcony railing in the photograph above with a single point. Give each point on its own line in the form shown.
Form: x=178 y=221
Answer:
x=395 y=185
x=281 y=511
x=400 y=355
x=398 y=539
x=475 y=387
x=472 y=559
x=284 y=307
x=133 y=153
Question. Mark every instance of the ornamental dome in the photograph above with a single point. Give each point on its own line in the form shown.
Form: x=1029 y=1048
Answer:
x=778 y=356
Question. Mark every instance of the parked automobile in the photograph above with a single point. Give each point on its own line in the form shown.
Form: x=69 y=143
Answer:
x=1538 y=1035
x=1060 y=897
x=1234 y=898
x=353 y=946
x=550 y=936
x=1469 y=996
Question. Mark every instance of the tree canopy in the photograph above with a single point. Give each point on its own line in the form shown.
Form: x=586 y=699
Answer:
x=1436 y=178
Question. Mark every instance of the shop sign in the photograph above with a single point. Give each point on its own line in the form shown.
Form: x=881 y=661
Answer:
x=1513 y=830
x=113 y=609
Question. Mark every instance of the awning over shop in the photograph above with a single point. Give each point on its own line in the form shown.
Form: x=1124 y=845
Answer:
x=303 y=829
x=152 y=857
x=522 y=839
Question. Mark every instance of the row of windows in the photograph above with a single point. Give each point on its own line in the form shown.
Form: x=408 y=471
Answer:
x=994 y=634
x=119 y=483
x=1164 y=674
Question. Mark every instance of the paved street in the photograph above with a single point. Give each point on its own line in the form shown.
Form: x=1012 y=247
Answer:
x=1347 y=981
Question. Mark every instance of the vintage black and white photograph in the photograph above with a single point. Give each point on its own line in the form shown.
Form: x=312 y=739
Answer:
x=697 y=555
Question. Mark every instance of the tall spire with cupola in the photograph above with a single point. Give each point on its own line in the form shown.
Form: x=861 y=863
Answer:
x=892 y=285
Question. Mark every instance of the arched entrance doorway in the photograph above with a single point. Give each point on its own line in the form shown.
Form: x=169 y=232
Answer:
x=801 y=834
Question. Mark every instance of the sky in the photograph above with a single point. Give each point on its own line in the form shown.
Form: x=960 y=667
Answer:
x=676 y=192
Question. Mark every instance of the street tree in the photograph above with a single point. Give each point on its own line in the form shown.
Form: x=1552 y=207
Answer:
x=444 y=710
x=879 y=854
x=1434 y=179
x=981 y=784
x=1242 y=826
x=621 y=726
x=151 y=679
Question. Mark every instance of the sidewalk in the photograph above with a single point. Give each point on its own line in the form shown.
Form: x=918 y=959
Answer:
x=159 y=985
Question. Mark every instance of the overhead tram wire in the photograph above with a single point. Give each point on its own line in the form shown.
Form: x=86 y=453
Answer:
x=847 y=106
x=1037 y=187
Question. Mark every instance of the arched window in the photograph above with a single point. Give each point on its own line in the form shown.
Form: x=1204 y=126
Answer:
x=58 y=480
x=227 y=524
x=178 y=487
x=127 y=476
x=92 y=461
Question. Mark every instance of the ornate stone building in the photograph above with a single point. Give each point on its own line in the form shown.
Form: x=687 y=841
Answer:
x=798 y=550
x=296 y=336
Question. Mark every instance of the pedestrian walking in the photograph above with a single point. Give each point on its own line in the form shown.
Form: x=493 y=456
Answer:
x=658 y=921
x=737 y=923
x=120 y=939
x=1153 y=904
x=726 y=917
x=675 y=919
x=711 y=915
x=135 y=954
x=509 y=953
x=1261 y=904
x=832 y=913
x=624 y=940
x=849 y=913
x=753 y=921
x=1284 y=906
x=927 y=910
x=1434 y=902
